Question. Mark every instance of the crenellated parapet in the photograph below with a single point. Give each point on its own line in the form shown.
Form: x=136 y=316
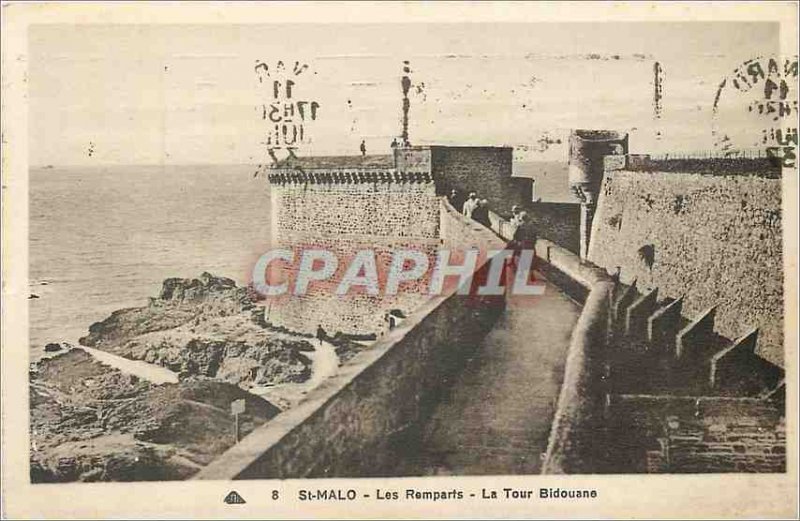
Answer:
x=346 y=177
x=649 y=388
x=744 y=163
x=709 y=230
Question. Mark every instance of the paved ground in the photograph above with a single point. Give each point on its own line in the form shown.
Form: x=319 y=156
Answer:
x=496 y=419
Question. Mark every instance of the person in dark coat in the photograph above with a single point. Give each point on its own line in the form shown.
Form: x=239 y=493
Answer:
x=481 y=213
x=524 y=239
x=456 y=199
x=321 y=334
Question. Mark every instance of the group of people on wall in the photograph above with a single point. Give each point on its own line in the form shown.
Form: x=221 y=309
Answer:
x=522 y=236
x=477 y=209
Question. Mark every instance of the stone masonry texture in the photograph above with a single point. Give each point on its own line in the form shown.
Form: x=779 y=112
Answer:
x=485 y=170
x=716 y=240
x=344 y=205
x=343 y=219
x=680 y=435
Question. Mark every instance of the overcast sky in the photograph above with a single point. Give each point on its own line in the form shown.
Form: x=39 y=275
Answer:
x=189 y=94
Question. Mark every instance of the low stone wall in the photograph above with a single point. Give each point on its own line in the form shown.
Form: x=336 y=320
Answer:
x=557 y=222
x=565 y=269
x=574 y=445
x=361 y=421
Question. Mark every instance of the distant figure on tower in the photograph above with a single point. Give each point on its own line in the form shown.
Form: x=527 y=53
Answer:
x=363 y=148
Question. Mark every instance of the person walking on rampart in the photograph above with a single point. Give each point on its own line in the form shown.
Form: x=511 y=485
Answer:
x=455 y=199
x=321 y=334
x=518 y=239
x=470 y=204
x=363 y=148
x=517 y=219
x=515 y=210
x=524 y=238
x=481 y=213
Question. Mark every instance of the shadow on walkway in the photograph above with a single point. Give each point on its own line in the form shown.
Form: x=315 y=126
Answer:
x=496 y=417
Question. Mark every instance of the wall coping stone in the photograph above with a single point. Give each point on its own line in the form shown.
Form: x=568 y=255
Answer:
x=710 y=163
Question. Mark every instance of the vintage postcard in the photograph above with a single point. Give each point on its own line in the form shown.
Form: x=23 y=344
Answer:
x=399 y=260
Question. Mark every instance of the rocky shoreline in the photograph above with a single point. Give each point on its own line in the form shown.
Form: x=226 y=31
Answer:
x=91 y=422
x=205 y=327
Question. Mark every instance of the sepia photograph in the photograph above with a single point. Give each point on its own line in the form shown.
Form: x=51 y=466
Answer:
x=349 y=252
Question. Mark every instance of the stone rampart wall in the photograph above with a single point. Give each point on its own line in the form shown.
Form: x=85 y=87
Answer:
x=716 y=240
x=361 y=421
x=594 y=431
x=344 y=219
x=485 y=170
x=400 y=210
x=656 y=434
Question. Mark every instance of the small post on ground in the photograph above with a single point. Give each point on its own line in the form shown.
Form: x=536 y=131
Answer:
x=237 y=407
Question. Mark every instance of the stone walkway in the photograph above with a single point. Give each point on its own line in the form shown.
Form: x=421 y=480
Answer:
x=496 y=419
x=151 y=372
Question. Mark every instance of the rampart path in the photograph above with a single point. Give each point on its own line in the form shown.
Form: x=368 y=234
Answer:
x=497 y=416
x=456 y=388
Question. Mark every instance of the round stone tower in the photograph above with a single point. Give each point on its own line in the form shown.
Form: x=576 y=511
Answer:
x=587 y=148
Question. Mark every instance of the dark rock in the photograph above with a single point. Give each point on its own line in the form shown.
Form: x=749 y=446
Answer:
x=53 y=347
x=90 y=422
x=205 y=327
x=206 y=284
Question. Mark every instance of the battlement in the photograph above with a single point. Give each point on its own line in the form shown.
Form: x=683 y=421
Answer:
x=695 y=236
x=754 y=163
x=486 y=170
x=647 y=390
x=335 y=170
x=367 y=162
x=346 y=176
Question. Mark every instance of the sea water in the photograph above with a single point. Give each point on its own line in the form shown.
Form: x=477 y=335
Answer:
x=104 y=238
